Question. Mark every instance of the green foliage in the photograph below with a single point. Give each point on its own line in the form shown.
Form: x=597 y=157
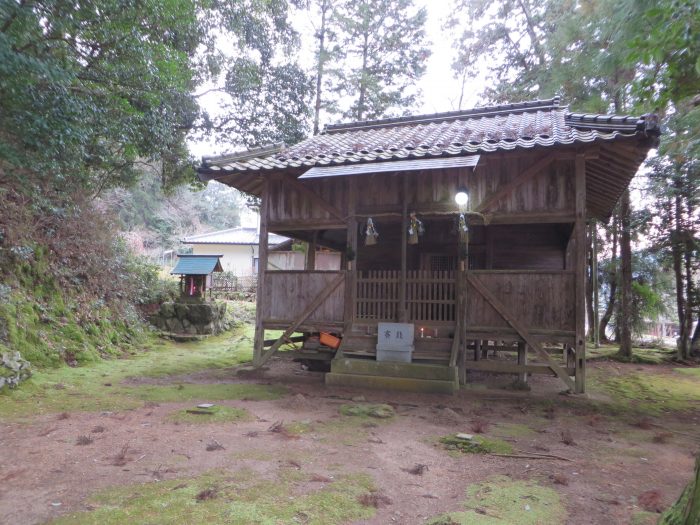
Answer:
x=511 y=39
x=673 y=191
x=383 y=43
x=269 y=103
x=666 y=43
x=652 y=286
x=155 y=220
x=85 y=96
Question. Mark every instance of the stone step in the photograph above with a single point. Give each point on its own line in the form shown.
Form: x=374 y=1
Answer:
x=389 y=369
x=392 y=383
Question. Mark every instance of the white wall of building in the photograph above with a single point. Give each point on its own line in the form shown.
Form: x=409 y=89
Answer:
x=237 y=258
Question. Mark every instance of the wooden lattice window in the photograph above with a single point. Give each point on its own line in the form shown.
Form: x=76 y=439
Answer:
x=442 y=263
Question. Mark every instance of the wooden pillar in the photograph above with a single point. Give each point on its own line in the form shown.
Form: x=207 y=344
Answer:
x=311 y=252
x=594 y=278
x=259 y=341
x=580 y=269
x=522 y=360
x=460 y=321
x=351 y=267
x=404 y=247
x=463 y=365
x=477 y=350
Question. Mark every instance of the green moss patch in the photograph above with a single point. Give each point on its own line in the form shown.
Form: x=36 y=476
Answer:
x=502 y=500
x=153 y=374
x=229 y=498
x=687 y=509
x=368 y=410
x=649 y=392
x=644 y=518
x=476 y=445
x=693 y=372
x=50 y=327
x=215 y=414
x=648 y=356
x=204 y=391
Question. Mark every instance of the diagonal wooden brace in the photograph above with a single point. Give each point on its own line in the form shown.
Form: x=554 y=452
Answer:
x=522 y=331
x=320 y=298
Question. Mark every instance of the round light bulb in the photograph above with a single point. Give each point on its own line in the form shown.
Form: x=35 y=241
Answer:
x=461 y=198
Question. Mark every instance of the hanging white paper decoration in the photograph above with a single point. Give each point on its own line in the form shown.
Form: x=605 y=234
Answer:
x=371 y=234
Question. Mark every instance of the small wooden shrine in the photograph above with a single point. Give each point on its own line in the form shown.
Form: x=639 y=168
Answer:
x=195 y=273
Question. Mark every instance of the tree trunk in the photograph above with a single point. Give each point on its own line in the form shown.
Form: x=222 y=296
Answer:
x=534 y=39
x=320 y=64
x=689 y=294
x=612 y=278
x=625 y=318
x=695 y=341
x=363 y=77
x=677 y=254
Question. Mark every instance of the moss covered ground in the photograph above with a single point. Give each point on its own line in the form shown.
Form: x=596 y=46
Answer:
x=50 y=326
x=476 y=445
x=650 y=356
x=503 y=500
x=124 y=383
x=648 y=393
x=230 y=497
x=215 y=414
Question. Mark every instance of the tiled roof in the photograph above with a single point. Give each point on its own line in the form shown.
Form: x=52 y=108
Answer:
x=485 y=129
x=240 y=235
x=197 y=265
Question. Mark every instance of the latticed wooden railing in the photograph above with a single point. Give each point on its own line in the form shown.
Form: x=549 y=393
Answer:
x=430 y=296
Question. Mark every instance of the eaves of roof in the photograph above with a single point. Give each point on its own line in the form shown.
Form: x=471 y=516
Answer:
x=505 y=127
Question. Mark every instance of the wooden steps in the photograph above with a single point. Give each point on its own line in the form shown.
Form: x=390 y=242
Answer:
x=427 y=349
x=412 y=377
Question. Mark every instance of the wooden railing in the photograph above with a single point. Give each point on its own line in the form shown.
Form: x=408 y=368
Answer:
x=377 y=295
x=542 y=300
x=287 y=293
x=430 y=296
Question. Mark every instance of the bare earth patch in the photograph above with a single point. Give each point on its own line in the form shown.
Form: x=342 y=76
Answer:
x=406 y=475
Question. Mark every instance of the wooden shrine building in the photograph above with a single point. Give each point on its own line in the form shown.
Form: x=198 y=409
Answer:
x=195 y=273
x=469 y=225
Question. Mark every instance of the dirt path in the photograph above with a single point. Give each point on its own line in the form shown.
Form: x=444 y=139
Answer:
x=45 y=474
